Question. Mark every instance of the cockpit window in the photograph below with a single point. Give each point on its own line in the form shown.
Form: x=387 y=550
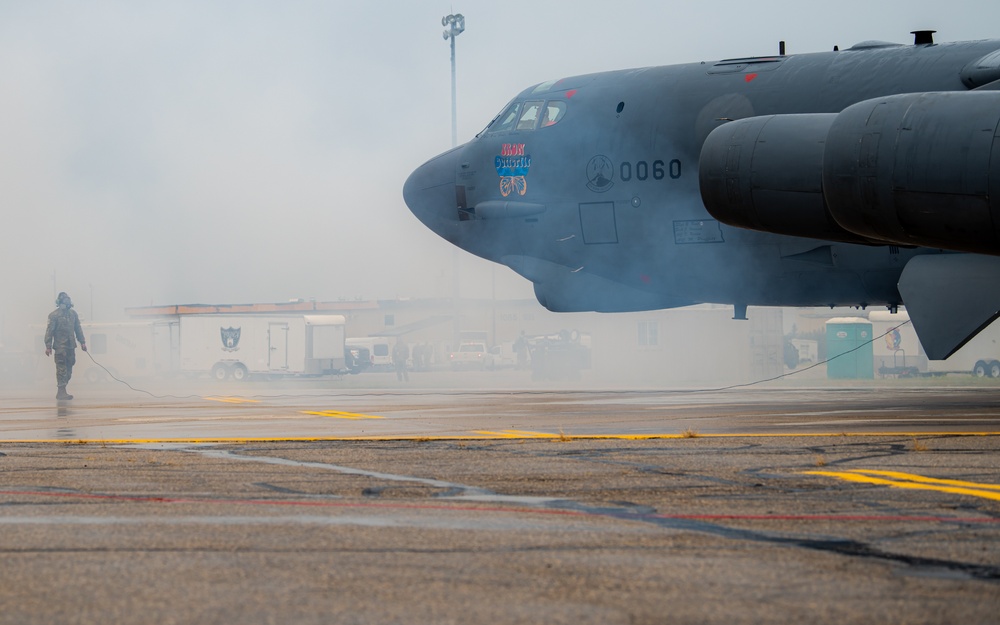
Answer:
x=529 y=115
x=554 y=111
x=507 y=119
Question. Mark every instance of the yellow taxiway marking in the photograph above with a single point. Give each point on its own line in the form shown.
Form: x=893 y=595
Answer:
x=483 y=435
x=337 y=414
x=233 y=400
x=516 y=434
x=917 y=482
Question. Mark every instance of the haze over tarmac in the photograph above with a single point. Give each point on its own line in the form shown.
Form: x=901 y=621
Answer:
x=230 y=151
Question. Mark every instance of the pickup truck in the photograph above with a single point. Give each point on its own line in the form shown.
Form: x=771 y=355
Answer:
x=472 y=356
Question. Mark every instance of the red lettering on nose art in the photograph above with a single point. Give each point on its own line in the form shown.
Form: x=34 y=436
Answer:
x=512 y=149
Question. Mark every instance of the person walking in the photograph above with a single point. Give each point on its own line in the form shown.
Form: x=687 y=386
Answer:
x=400 y=354
x=61 y=335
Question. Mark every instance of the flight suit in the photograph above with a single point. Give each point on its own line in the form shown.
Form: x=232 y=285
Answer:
x=400 y=353
x=61 y=335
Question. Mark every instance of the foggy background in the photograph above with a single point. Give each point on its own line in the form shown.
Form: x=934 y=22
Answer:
x=240 y=151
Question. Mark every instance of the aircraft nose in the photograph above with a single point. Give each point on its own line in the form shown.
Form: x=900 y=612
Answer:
x=429 y=192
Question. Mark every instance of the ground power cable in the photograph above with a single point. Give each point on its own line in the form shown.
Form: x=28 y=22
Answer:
x=138 y=390
x=485 y=392
x=804 y=369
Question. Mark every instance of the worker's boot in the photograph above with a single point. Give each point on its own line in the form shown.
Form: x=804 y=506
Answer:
x=62 y=394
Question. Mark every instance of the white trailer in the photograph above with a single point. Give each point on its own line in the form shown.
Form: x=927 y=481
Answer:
x=238 y=346
x=901 y=349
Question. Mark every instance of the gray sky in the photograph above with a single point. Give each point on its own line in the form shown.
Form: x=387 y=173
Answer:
x=238 y=151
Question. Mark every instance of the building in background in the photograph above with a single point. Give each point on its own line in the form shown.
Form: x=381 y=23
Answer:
x=698 y=345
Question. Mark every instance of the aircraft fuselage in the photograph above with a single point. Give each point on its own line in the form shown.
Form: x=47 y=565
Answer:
x=595 y=196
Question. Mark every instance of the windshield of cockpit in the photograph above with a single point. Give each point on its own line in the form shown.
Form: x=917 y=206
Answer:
x=528 y=115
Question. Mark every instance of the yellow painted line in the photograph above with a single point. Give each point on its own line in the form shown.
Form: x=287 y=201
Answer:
x=233 y=400
x=337 y=414
x=475 y=437
x=516 y=434
x=928 y=480
x=983 y=491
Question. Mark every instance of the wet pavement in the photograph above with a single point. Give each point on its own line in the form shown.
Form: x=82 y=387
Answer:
x=826 y=505
x=262 y=411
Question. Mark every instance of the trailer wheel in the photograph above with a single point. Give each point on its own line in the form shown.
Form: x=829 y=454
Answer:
x=220 y=371
x=240 y=372
x=979 y=370
x=995 y=369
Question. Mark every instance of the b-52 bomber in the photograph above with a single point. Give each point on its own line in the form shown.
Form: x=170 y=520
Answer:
x=868 y=176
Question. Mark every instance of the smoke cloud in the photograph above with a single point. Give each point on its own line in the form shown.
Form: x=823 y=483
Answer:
x=226 y=152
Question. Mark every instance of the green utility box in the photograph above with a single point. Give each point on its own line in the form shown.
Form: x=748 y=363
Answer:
x=852 y=337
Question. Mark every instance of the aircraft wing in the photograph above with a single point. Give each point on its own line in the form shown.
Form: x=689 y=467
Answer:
x=950 y=298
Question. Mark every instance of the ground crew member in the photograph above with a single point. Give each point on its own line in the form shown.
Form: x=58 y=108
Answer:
x=61 y=335
x=400 y=353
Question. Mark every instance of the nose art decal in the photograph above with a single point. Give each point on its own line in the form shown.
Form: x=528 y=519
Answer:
x=512 y=166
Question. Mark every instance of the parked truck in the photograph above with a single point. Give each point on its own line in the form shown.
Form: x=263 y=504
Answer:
x=237 y=346
x=559 y=356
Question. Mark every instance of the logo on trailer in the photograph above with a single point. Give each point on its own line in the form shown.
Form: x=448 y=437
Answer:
x=893 y=340
x=230 y=339
x=512 y=166
x=600 y=172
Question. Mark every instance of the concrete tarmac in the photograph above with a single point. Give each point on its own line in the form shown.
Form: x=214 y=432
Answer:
x=875 y=504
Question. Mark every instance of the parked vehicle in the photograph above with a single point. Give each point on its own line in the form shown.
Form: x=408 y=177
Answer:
x=379 y=350
x=560 y=356
x=504 y=355
x=472 y=356
x=356 y=359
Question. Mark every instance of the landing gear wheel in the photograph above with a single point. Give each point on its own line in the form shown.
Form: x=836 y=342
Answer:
x=979 y=370
x=994 y=369
x=240 y=372
x=220 y=371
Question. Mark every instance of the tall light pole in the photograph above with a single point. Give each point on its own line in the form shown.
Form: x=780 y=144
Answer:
x=455 y=26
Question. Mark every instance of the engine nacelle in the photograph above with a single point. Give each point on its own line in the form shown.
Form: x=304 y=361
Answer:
x=766 y=173
x=918 y=169
x=913 y=169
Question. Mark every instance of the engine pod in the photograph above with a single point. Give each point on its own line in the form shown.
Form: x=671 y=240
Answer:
x=766 y=173
x=918 y=169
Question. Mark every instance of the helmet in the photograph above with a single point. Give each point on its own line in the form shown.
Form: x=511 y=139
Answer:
x=64 y=300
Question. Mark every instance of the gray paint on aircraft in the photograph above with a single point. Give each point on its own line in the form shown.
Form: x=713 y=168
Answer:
x=816 y=178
